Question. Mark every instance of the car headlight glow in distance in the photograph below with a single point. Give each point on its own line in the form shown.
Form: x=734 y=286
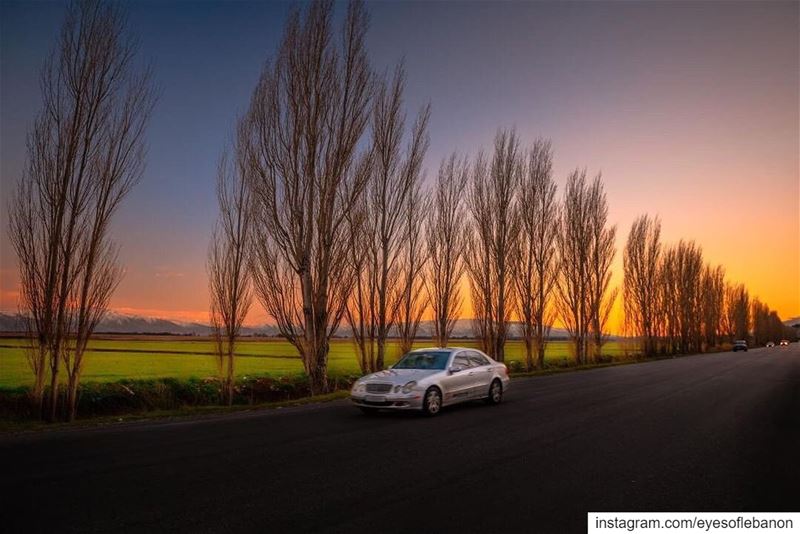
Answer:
x=409 y=386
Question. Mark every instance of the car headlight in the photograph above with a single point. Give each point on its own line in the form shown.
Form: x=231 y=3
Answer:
x=359 y=387
x=409 y=386
x=397 y=389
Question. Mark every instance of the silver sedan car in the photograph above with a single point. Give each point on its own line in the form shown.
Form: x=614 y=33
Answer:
x=429 y=379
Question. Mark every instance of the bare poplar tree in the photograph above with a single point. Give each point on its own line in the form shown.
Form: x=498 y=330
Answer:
x=712 y=289
x=681 y=292
x=574 y=280
x=447 y=241
x=307 y=117
x=690 y=269
x=378 y=239
x=361 y=307
x=601 y=254
x=30 y=232
x=759 y=313
x=669 y=299
x=229 y=279
x=85 y=152
x=737 y=311
x=494 y=225
x=641 y=281
x=535 y=265
x=412 y=300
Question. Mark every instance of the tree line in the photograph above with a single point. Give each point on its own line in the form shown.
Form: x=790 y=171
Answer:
x=341 y=231
x=676 y=303
x=344 y=233
x=325 y=219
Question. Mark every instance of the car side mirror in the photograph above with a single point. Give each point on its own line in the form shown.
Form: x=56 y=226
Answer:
x=455 y=369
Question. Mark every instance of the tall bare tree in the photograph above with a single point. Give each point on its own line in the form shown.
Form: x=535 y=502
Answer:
x=601 y=254
x=412 y=300
x=737 y=311
x=394 y=178
x=690 y=269
x=681 y=275
x=712 y=289
x=759 y=313
x=574 y=280
x=535 y=265
x=85 y=152
x=447 y=240
x=361 y=307
x=229 y=279
x=641 y=261
x=491 y=200
x=306 y=120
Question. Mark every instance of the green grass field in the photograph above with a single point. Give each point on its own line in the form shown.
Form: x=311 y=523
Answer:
x=109 y=360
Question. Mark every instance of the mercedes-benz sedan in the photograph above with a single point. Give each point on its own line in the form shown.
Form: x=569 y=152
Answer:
x=429 y=379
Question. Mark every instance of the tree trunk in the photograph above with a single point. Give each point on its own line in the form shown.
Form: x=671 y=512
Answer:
x=318 y=371
x=230 y=374
x=529 y=354
x=540 y=352
x=72 y=397
x=53 y=394
x=38 y=385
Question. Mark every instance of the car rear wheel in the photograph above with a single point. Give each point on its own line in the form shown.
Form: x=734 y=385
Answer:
x=495 y=392
x=432 y=403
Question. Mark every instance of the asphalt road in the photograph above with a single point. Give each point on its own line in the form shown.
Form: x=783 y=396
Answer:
x=704 y=433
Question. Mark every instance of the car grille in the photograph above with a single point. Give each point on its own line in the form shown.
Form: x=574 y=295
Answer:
x=379 y=388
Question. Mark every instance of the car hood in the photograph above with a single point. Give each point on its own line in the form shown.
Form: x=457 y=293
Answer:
x=400 y=376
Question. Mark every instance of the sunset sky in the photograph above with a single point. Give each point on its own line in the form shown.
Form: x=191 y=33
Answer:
x=690 y=110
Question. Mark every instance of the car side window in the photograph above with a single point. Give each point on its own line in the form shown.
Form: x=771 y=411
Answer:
x=461 y=361
x=478 y=359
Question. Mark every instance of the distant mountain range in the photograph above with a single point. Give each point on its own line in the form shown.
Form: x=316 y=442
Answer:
x=119 y=323
x=464 y=329
x=794 y=321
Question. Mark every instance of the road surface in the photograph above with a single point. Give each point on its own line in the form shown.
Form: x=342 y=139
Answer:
x=715 y=432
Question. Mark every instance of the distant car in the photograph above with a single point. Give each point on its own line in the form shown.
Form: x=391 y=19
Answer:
x=770 y=344
x=784 y=342
x=739 y=344
x=429 y=379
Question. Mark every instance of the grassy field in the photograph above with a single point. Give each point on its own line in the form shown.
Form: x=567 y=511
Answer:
x=112 y=359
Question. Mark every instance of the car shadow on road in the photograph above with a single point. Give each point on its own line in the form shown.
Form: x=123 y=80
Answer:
x=405 y=415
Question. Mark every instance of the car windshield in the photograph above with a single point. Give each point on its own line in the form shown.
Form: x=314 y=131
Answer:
x=423 y=360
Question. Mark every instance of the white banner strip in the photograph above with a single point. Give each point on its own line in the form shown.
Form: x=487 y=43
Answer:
x=693 y=522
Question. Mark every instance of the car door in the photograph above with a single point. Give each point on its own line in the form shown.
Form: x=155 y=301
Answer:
x=481 y=374
x=457 y=385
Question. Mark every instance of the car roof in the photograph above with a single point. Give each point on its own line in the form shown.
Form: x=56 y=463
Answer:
x=442 y=349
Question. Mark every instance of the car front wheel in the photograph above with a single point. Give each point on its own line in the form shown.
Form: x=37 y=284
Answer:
x=495 y=392
x=432 y=403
